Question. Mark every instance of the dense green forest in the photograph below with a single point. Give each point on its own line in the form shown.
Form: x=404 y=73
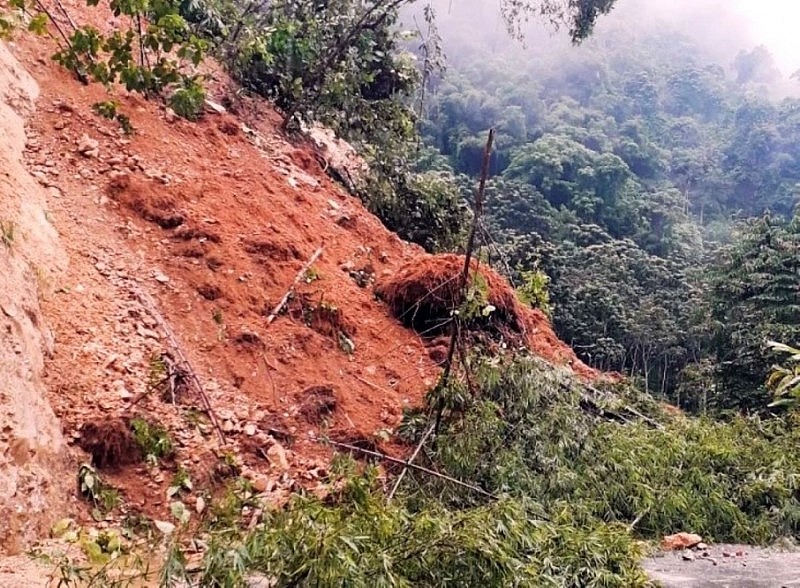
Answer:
x=628 y=171
x=642 y=192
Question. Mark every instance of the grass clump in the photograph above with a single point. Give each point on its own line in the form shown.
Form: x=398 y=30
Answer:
x=96 y=492
x=153 y=439
x=189 y=99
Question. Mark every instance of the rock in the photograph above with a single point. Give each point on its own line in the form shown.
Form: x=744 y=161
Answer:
x=227 y=426
x=160 y=277
x=170 y=116
x=250 y=429
x=680 y=541
x=262 y=484
x=258 y=581
x=688 y=556
x=702 y=546
x=88 y=147
x=121 y=389
x=277 y=456
x=164 y=526
x=147 y=333
x=214 y=107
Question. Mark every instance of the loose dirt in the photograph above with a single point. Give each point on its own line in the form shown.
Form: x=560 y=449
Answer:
x=212 y=228
x=180 y=240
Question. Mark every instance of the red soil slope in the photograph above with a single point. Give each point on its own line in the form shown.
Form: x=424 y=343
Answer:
x=212 y=221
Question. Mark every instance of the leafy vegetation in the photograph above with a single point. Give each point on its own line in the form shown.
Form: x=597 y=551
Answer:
x=154 y=56
x=755 y=297
x=361 y=540
x=785 y=381
x=534 y=432
x=110 y=110
x=625 y=171
x=93 y=489
x=153 y=439
x=571 y=477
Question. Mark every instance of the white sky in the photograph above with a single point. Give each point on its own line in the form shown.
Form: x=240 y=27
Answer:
x=774 y=23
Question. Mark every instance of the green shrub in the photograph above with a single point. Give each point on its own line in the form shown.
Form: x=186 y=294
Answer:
x=531 y=431
x=360 y=539
x=188 y=100
x=152 y=438
x=533 y=290
x=424 y=208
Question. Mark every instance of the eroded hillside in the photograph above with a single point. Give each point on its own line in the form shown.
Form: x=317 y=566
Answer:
x=182 y=240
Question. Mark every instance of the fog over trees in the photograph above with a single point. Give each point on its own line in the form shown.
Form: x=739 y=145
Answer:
x=626 y=169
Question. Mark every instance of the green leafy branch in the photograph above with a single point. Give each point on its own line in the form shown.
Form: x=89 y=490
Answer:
x=151 y=56
x=784 y=381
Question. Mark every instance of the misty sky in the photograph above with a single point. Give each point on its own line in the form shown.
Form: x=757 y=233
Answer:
x=725 y=26
x=774 y=23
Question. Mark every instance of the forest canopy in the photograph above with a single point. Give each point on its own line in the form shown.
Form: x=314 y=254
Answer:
x=627 y=170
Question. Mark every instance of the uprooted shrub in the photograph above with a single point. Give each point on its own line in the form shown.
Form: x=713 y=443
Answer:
x=527 y=432
x=425 y=294
x=357 y=538
x=110 y=442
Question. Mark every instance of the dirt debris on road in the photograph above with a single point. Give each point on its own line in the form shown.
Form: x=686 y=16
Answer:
x=726 y=566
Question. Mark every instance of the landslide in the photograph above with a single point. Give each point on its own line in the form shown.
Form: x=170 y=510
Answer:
x=182 y=238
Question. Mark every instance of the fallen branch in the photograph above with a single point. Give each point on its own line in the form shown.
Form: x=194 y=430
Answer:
x=66 y=15
x=419 y=468
x=638 y=518
x=410 y=461
x=82 y=77
x=370 y=384
x=646 y=419
x=601 y=394
x=297 y=278
x=148 y=302
x=271 y=381
x=173 y=381
x=635 y=521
